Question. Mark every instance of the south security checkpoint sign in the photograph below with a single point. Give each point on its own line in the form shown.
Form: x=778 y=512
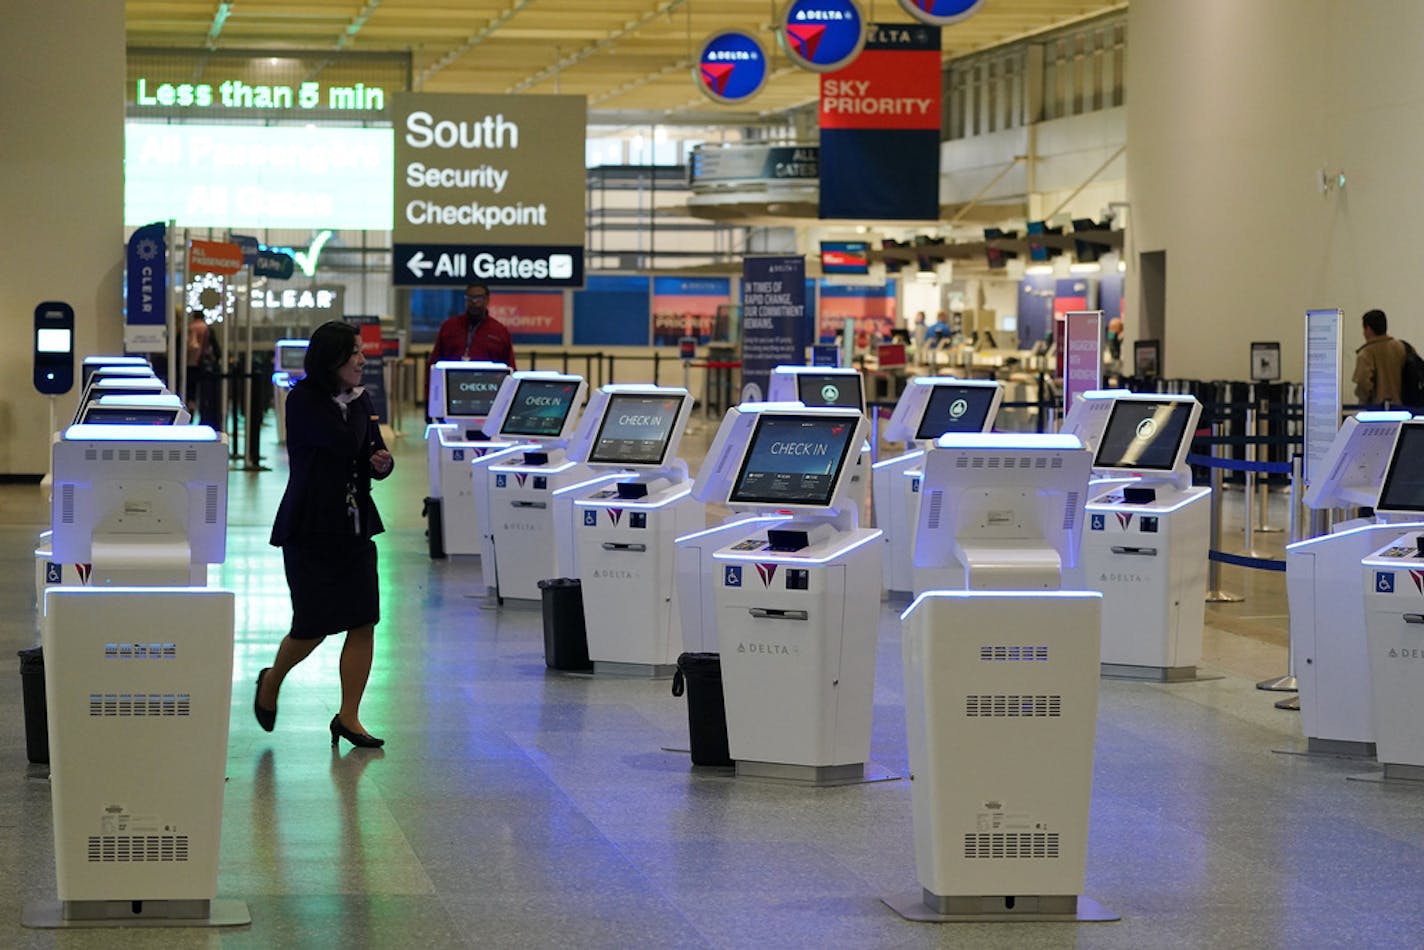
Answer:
x=822 y=35
x=445 y=265
x=731 y=67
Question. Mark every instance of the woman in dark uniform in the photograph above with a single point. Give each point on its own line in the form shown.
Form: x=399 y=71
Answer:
x=325 y=524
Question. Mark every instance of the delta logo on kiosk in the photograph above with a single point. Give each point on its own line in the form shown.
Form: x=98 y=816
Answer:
x=731 y=67
x=940 y=12
x=822 y=35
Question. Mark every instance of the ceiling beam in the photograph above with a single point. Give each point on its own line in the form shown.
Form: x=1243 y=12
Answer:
x=632 y=26
x=220 y=16
x=356 y=23
x=472 y=41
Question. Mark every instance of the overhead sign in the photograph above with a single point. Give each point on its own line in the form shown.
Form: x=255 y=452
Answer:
x=822 y=35
x=196 y=98
x=498 y=181
x=214 y=257
x=146 y=311
x=275 y=264
x=941 y=12
x=731 y=67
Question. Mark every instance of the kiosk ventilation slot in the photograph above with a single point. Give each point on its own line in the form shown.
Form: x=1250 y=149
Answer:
x=1070 y=511
x=139 y=705
x=210 y=505
x=124 y=455
x=1057 y=462
x=190 y=455
x=1001 y=653
x=1001 y=706
x=130 y=849
x=936 y=509
x=1040 y=462
x=140 y=651
x=1012 y=844
x=66 y=503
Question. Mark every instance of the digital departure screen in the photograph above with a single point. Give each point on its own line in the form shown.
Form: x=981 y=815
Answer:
x=1143 y=435
x=793 y=460
x=291 y=359
x=635 y=429
x=1404 y=479
x=114 y=415
x=955 y=409
x=539 y=408
x=471 y=392
x=840 y=390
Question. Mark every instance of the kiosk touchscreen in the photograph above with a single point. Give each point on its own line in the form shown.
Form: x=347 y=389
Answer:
x=1147 y=539
x=461 y=395
x=1089 y=416
x=288 y=366
x=1000 y=651
x=144 y=505
x=840 y=387
x=929 y=407
x=1394 y=621
x=514 y=492
x=625 y=522
x=93 y=363
x=136 y=409
x=796 y=600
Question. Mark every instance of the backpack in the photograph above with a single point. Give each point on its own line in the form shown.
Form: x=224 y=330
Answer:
x=1411 y=378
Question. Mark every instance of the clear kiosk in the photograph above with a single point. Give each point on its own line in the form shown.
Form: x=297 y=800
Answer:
x=626 y=527
x=514 y=493
x=796 y=602
x=461 y=394
x=1001 y=683
x=1147 y=539
x=1394 y=613
x=929 y=407
x=138 y=674
x=1327 y=612
x=288 y=367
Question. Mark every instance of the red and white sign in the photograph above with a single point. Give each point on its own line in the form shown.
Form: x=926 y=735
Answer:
x=529 y=313
x=1083 y=360
x=884 y=88
x=214 y=257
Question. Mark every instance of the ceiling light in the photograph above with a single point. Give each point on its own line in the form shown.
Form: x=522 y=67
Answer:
x=1039 y=269
x=1091 y=267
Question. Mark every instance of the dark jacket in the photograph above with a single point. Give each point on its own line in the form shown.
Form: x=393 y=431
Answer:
x=327 y=454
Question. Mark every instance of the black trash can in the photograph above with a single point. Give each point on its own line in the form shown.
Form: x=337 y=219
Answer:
x=706 y=709
x=565 y=637
x=434 y=526
x=33 y=689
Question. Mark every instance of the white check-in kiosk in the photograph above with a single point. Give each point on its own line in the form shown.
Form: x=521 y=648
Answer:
x=288 y=367
x=515 y=492
x=1394 y=613
x=797 y=601
x=92 y=364
x=840 y=387
x=138 y=674
x=461 y=394
x=625 y=527
x=929 y=407
x=1327 y=612
x=1147 y=538
x=1001 y=682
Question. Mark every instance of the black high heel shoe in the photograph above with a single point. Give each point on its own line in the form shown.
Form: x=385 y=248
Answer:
x=359 y=739
x=266 y=718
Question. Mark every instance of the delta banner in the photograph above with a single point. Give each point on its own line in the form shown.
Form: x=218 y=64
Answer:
x=880 y=121
x=687 y=306
x=146 y=301
x=1083 y=367
x=773 y=320
x=872 y=309
x=732 y=67
x=530 y=317
x=1069 y=294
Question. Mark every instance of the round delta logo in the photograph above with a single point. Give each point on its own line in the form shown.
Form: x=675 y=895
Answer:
x=751 y=392
x=1147 y=428
x=958 y=408
x=731 y=67
x=830 y=393
x=940 y=12
x=822 y=35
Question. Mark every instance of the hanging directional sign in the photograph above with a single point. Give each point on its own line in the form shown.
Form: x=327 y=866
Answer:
x=731 y=67
x=489 y=187
x=940 y=12
x=822 y=35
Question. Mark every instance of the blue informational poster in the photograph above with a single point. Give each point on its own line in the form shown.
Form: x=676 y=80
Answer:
x=773 y=320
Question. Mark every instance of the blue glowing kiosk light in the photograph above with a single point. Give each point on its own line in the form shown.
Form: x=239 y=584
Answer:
x=941 y=12
x=822 y=35
x=731 y=67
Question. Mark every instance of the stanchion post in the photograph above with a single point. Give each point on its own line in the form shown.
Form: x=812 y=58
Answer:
x=1214 y=593
x=1263 y=487
x=1248 y=489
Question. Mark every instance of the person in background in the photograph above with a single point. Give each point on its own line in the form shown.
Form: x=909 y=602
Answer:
x=325 y=524
x=201 y=384
x=474 y=334
x=1379 y=362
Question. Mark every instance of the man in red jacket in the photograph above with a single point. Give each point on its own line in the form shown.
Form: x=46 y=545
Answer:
x=474 y=334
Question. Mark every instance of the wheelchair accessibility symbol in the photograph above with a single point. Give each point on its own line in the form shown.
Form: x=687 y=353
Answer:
x=1099 y=522
x=1384 y=582
x=590 y=518
x=458 y=455
x=52 y=573
x=733 y=576
x=500 y=481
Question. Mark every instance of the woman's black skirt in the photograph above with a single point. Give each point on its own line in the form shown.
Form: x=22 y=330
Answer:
x=334 y=586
